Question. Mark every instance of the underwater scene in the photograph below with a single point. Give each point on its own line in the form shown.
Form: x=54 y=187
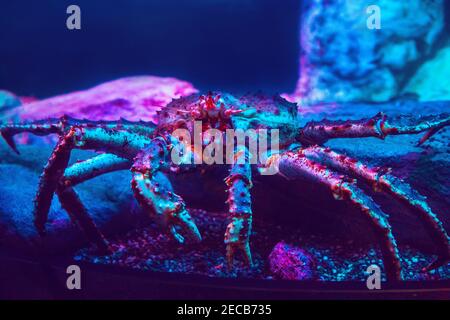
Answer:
x=237 y=149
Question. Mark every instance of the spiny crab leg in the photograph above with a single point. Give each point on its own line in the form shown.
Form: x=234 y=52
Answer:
x=238 y=232
x=91 y=168
x=124 y=143
x=154 y=192
x=381 y=179
x=48 y=182
x=55 y=177
x=52 y=181
x=378 y=126
x=70 y=201
x=296 y=165
x=63 y=124
x=7 y=131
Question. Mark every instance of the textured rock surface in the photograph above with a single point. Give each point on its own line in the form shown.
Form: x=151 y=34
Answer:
x=342 y=60
x=290 y=263
x=431 y=82
x=133 y=98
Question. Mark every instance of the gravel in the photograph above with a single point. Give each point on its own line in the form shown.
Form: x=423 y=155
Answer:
x=335 y=259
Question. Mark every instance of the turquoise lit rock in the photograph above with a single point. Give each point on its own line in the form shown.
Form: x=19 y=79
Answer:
x=342 y=60
x=431 y=81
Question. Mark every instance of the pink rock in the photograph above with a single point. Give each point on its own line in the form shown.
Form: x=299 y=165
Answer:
x=132 y=98
x=290 y=263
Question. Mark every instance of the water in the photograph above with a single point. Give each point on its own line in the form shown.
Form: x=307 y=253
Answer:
x=235 y=45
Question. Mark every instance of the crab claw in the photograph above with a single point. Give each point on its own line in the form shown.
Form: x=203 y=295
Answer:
x=182 y=221
x=237 y=239
x=155 y=194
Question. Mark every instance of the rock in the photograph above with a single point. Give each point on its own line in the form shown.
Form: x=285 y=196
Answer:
x=133 y=98
x=290 y=263
x=431 y=80
x=342 y=60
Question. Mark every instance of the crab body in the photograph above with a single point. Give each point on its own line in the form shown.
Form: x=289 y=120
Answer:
x=225 y=111
x=148 y=150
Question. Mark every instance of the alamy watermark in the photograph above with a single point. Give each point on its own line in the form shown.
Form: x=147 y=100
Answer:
x=373 y=22
x=214 y=146
x=73 y=281
x=373 y=281
x=73 y=21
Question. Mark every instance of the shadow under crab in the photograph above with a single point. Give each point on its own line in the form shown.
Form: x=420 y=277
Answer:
x=144 y=147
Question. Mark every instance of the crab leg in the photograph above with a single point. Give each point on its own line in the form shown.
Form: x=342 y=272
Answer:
x=71 y=202
x=382 y=180
x=154 y=192
x=91 y=168
x=40 y=128
x=238 y=231
x=296 y=165
x=123 y=143
x=61 y=125
x=48 y=182
x=378 y=126
x=78 y=173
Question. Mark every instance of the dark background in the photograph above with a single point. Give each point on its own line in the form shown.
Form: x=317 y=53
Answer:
x=235 y=45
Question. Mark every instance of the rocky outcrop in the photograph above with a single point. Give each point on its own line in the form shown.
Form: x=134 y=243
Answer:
x=343 y=60
x=133 y=98
x=431 y=82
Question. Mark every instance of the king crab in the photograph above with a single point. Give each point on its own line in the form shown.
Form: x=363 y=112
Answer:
x=144 y=147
